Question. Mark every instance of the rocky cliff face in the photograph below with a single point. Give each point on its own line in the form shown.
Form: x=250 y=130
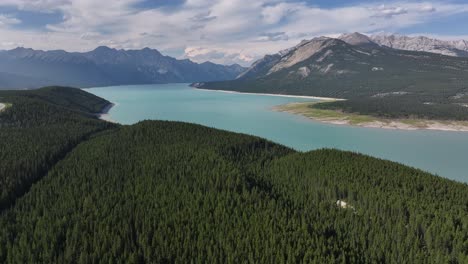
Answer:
x=287 y=58
x=457 y=48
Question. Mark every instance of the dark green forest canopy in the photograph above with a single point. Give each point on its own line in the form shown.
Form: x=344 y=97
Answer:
x=165 y=192
x=39 y=128
x=66 y=97
x=398 y=107
x=159 y=192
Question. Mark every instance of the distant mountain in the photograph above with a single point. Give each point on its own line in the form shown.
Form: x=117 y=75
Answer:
x=271 y=64
x=458 y=48
x=104 y=66
x=348 y=66
x=301 y=52
x=354 y=67
x=15 y=81
x=358 y=39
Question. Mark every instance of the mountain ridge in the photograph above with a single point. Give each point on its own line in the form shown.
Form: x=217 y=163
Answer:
x=105 y=66
x=457 y=48
x=411 y=81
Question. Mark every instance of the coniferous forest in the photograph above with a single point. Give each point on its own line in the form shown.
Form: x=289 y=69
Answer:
x=40 y=128
x=79 y=190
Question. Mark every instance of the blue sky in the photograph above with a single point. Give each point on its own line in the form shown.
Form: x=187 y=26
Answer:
x=223 y=31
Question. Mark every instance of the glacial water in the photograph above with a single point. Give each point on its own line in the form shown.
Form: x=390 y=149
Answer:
x=439 y=152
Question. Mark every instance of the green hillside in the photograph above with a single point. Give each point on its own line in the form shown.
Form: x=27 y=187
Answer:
x=376 y=80
x=40 y=128
x=170 y=192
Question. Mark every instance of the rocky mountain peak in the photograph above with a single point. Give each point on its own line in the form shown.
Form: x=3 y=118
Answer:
x=303 y=51
x=357 y=39
x=103 y=50
x=22 y=52
x=458 y=48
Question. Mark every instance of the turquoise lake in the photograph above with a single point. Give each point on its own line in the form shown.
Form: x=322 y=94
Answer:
x=439 y=152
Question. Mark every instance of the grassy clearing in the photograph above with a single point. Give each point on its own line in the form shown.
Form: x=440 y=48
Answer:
x=306 y=110
x=4 y=106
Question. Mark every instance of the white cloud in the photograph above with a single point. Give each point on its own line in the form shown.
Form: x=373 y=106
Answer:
x=428 y=8
x=389 y=12
x=8 y=20
x=272 y=36
x=273 y=14
x=227 y=31
x=90 y=36
x=199 y=54
x=10 y=45
x=36 y=5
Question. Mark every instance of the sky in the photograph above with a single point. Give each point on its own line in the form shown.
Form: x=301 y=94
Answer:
x=221 y=31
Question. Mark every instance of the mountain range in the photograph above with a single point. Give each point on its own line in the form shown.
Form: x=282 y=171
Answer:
x=458 y=48
x=28 y=68
x=355 y=67
x=336 y=67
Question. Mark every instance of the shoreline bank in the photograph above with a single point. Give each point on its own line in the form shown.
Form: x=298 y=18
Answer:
x=278 y=95
x=345 y=119
x=104 y=114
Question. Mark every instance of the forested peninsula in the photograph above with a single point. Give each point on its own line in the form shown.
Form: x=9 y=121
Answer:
x=331 y=112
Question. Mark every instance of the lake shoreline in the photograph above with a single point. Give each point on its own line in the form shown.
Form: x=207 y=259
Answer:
x=104 y=114
x=339 y=118
x=439 y=152
x=279 y=95
x=394 y=124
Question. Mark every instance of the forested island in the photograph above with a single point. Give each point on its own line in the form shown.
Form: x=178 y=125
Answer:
x=76 y=189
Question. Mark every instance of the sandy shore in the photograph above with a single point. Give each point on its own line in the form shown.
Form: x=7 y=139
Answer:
x=338 y=118
x=104 y=114
x=429 y=125
x=279 y=95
